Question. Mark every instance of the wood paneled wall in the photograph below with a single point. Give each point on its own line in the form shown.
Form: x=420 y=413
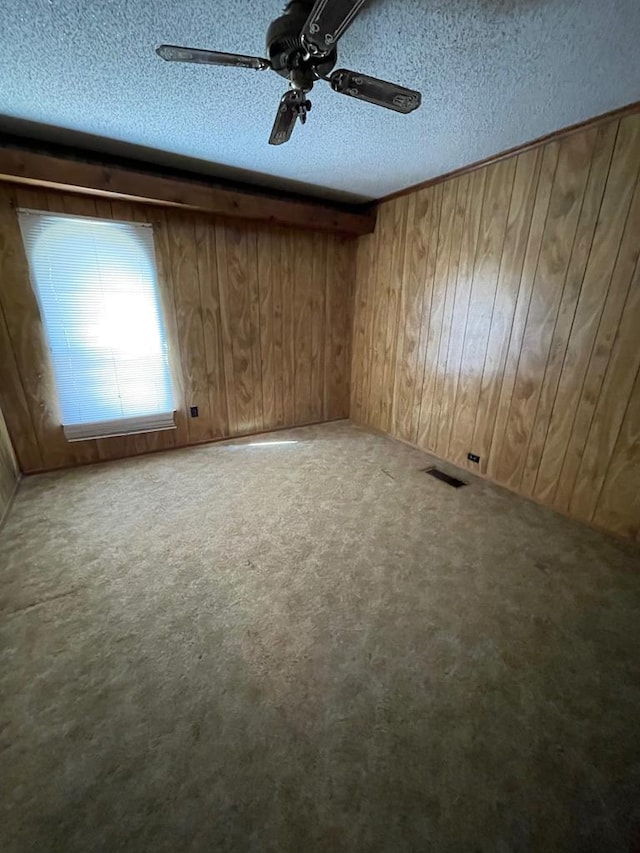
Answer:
x=498 y=313
x=9 y=473
x=258 y=321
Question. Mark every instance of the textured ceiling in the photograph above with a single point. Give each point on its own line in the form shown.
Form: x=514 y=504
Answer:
x=493 y=73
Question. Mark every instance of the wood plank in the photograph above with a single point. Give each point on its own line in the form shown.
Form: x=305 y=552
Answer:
x=568 y=188
x=410 y=312
x=511 y=265
x=599 y=307
x=493 y=224
x=9 y=473
x=617 y=383
x=251 y=261
x=319 y=332
x=618 y=506
x=167 y=293
x=468 y=248
x=371 y=286
x=112 y=181
x=269 y=260
x=183 y=263
x=288 y=289
x=206 y=251
x=427 y=303
x=238 y=298
x=441 y=413
x=339 y=317
x=302 y=327
x=379 y=313
x=14 y=402
x=280 y=242
x=393 y=288
x=549 y=442
x=438 y=299
x=359 y=326
x=504 y=454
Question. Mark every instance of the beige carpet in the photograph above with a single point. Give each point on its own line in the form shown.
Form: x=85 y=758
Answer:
x=312 y=647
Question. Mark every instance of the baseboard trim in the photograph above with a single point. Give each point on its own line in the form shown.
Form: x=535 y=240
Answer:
x=204 y=443
x=619 y=537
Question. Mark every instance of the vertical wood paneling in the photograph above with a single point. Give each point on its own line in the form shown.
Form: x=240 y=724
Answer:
x=503 y=454
x=14 y=402
x=303 y=283
x=511 y=263
x=162 y=247
x=8 y=470
x=390 y=333
x=613 y=399
x=206 y=252
x=546 y=451
x=433 y=328
x=317 y=300
x=493 y=224
x=340 y=270
x=618 y=506
x=268 y=260
x=288 y=284
x=427 y=303
x=359 y=366
x=252 y=342
x=468 y=246
x=385 y=241
x=185 y=276
x=607 y=278
x=517 y=322
x=571 y=174
x=440 y=412
x=409 y=310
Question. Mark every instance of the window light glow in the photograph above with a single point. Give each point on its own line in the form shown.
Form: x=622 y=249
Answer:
x=96 y=286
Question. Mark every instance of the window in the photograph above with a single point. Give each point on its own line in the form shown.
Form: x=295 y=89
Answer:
x=96 y=286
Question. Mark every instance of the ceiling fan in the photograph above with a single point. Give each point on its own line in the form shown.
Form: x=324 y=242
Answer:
x=301 y=45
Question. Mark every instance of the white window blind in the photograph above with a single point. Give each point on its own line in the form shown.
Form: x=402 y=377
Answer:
x=97 y=289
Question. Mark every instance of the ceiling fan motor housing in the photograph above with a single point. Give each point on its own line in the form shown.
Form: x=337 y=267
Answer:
x=286 y=50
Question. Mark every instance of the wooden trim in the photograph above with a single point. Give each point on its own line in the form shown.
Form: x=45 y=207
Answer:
x=612 y=115
x=53 y=171
x=202 y=443
x=468 y=477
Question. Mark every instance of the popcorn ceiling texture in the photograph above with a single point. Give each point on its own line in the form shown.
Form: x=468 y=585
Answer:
x=494 y=73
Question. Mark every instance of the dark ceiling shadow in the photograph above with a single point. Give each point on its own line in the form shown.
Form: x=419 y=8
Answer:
x=47 y=137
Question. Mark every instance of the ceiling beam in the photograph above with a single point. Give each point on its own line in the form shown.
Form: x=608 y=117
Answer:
x=54 y=171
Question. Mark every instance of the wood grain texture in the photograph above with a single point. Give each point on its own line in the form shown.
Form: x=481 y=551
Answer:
x=517 y=322
x=9 y=472
x=258 y=322
x=110 y=180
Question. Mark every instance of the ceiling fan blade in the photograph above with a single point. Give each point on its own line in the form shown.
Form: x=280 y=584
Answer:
x=285 y=118
x=375 y=91
x=174 y=53
x=327 y=22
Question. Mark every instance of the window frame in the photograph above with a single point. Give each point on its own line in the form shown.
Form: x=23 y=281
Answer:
x=113 y=427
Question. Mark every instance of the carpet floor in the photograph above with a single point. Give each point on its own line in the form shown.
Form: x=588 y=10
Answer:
x=312 y=646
